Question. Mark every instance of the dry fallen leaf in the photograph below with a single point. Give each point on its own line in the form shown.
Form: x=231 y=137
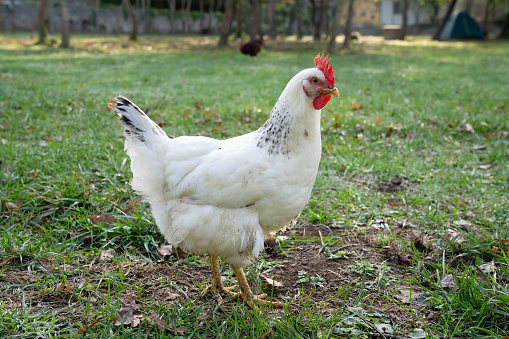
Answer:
x=478 y=148
x=102 y=217
x=106 y=255
x=130 y=208
x=270 y=282
x=448 y=281
x=357 y=106
x=166 y=250
x=469 y=128
x=12 y=206
x=126 y=316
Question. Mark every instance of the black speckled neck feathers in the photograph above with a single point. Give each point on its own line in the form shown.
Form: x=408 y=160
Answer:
x=275 y=132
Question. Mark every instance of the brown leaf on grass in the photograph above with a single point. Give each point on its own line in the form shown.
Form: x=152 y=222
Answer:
x=84 y=328
x=181 y=330
x=106 y=255
x=102 y=217
x=357 y=106
x=448 y=281
x=130 y=207
x=166 y=250
x=171 y=250
x=126 y=316
x=63 y=287
x=12 y=206
x=268 y=282
x=162 y=325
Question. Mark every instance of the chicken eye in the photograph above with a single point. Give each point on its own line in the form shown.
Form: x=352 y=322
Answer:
x=314 y=80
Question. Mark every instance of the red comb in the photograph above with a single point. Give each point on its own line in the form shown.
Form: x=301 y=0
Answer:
x=324 y=65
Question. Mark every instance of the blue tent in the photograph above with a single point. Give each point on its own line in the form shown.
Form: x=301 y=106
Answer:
x=461 y=26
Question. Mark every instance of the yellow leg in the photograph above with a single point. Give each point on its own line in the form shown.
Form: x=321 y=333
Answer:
x=247 y=294
x=216 y=285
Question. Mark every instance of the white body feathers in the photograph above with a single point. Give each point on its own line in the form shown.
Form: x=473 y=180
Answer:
x=220 y=197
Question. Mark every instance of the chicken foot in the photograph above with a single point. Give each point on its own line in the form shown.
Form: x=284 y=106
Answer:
x=216 y=285
x=247 y=294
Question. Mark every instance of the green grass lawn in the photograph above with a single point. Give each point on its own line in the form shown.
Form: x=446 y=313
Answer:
x=411 y=196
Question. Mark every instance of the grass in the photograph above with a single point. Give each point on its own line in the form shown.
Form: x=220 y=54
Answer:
x=415 y=166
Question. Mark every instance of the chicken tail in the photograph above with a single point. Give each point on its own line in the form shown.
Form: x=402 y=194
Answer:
x=144 y=144
x=137 y=124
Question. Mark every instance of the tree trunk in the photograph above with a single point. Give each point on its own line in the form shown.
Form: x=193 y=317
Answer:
x=298 y=15
x=436 y=36
x=66 y=34
x=288 y=21
x=331 y=47
x=188 y=17
x=2 y=19
x=202 y=16
x=211 y=11
x=183 y=14
x=227 y=23
x=325 y=17
x=271 y=12
x=314 y=21
x=504 y=32
x=49 y=16
x=468 y=6
x=238 y=14
x=257 y=22
x=96 y=15
x=13 y=16
x=489 y=3
x=404 y=26
x=171 y=6
x=348 y=25
x=132 y=14
x=41 y=22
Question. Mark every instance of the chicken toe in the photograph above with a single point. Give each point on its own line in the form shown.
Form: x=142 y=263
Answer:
x=216 y=285
x=248 y=296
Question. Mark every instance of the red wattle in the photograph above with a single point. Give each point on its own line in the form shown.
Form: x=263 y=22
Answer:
x=320 y=101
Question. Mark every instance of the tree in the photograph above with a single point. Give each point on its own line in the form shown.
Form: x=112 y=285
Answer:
x=316 y=23
x=171 y=6
x=96 y=15
x=211 y=10
x=436 y=36
x=238 y=14
x=298 y=15
x=65 y=24
x=41 y=22
x=504 y=32
x=256 y=19
x=134 y=31
x=188 y=16
x=2 y=19
x=489 y=7
x=348 y=25
x=404 y=26
x=202 y=15
x=227 y=23
x=271 y=11
x=331 y=47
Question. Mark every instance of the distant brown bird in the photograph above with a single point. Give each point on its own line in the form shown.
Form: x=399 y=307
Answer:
x=252 y=47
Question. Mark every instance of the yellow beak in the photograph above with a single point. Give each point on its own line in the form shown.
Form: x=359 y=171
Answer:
x=333 y=91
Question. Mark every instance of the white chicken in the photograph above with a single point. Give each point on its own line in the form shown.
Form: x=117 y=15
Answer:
x=220 y=197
